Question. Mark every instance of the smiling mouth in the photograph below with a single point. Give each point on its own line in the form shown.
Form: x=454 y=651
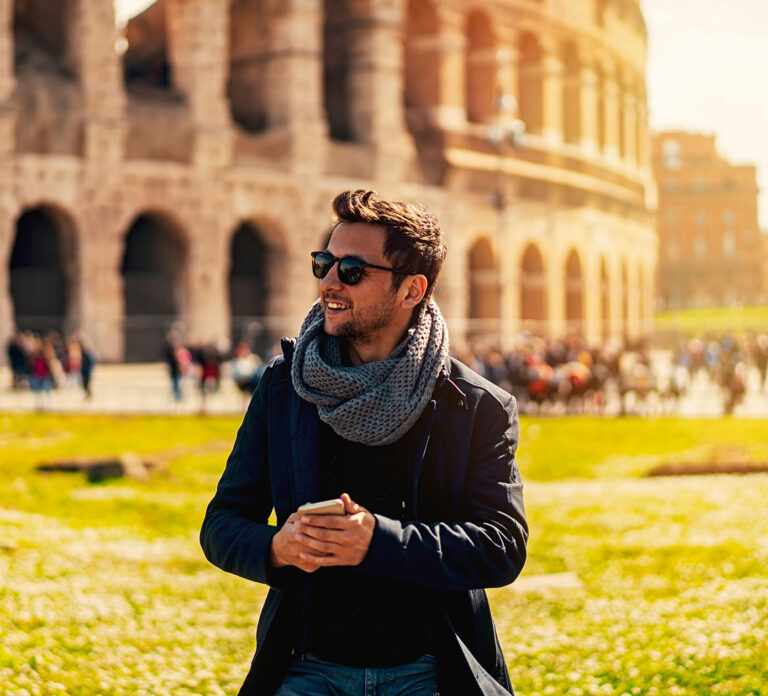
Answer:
x=335 y=306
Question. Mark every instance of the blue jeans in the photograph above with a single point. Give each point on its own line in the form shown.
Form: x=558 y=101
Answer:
x=315 y=677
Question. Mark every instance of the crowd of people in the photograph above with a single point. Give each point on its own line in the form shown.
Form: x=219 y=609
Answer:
x=545 y=375
x=42 y=363
x=204 y=364
x=568 y=375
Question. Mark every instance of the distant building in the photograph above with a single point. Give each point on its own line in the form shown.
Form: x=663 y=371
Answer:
x=711 y=251
x=185 y=179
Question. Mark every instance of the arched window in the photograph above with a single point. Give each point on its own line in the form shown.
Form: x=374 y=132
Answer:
x=530 y=99
x=42 y=35
x=481 y=89
x=571 y=95
x=338 y=28
x=422 y=55
x=483 y=289
x=248 y=57
x=48 y=93
x=249 y=261
x=145 y=62
x=43 y=271
x=533 y=290
x=154 y=285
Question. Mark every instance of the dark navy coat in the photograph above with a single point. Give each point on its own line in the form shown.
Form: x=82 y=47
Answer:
x=469 y=530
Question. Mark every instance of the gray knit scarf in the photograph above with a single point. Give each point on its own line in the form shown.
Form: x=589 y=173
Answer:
x=378 y=402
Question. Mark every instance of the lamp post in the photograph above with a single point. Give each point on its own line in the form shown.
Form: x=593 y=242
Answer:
x=505 y=132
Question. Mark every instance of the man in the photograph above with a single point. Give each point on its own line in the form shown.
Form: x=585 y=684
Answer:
x=366 y=406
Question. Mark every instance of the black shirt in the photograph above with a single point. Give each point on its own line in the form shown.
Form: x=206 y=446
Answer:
x=352 y=618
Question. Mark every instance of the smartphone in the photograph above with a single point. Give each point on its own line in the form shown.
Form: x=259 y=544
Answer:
x=324 y=507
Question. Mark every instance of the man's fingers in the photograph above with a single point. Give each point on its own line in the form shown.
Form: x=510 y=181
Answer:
x=315 y=544
x=326 y=521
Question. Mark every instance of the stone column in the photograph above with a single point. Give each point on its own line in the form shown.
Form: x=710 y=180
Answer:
x=92 y=53
x=451 y=111
x=611 y=101
x=615 y=298
x=592 y=293
x=551 y=91
x=588 y=102
x=507 y=57
x=294 y=80
x=556 y=293
x=198 y=40
x=7 y=237
x=208 y=315
x=101 y=308
x=7 y=79
x=509 y=282
x=376 y=85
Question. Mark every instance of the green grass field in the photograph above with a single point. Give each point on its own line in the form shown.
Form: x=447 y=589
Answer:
x=105 y=590
x=715 y=320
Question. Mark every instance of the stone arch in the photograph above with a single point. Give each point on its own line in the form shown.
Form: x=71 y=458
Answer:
x=422 y=55
x=605 y=301
x=249 y=261
x=338 y=36
x=530 y=83
x=248 y=58
x=480 y=86
x=571 y=95
x=155 y=293
x=484 y=298
x=44 y=270
x=574 y=293
x=533 y=290
x=146 y=62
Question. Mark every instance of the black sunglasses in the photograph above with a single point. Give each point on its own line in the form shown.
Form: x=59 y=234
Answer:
x=350 y=268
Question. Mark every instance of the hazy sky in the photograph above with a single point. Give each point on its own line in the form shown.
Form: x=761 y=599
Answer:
x=707 y=73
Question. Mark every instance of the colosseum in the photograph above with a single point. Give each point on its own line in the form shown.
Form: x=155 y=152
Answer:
x=181 y=169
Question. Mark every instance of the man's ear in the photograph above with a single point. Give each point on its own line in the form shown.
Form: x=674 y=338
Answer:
x=416 y=287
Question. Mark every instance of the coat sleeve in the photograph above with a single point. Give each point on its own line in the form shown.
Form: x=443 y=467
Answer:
x=487 y=548
x=235 y=535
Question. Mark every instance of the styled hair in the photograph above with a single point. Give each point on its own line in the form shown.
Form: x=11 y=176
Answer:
x=413 y=241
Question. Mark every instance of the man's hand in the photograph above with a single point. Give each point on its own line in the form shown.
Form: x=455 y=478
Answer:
x=310 y=542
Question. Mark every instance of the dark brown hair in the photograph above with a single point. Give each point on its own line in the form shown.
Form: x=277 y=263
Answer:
x=413 y=240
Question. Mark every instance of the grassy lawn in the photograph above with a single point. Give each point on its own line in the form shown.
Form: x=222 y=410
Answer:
x=105 y=590
x=716 y=320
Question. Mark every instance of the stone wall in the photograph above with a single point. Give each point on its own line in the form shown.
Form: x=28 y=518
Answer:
x=420 y=100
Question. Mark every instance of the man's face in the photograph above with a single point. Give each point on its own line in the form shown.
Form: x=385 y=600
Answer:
x=364 y=312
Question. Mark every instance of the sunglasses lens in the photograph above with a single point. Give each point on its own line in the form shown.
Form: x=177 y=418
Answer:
x=350 y=271
x=321 y=264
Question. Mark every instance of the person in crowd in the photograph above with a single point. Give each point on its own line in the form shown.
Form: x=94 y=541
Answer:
x=18 y=361
x=413 y=449
x=178 y=359
x=247 y=368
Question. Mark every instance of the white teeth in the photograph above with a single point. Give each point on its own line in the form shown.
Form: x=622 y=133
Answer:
x=336 y=305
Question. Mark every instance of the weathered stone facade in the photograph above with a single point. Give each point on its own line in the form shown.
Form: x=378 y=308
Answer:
x=711 y=250
x=128 y=179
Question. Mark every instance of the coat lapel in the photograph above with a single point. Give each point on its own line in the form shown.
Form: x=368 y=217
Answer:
x=303 y=441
